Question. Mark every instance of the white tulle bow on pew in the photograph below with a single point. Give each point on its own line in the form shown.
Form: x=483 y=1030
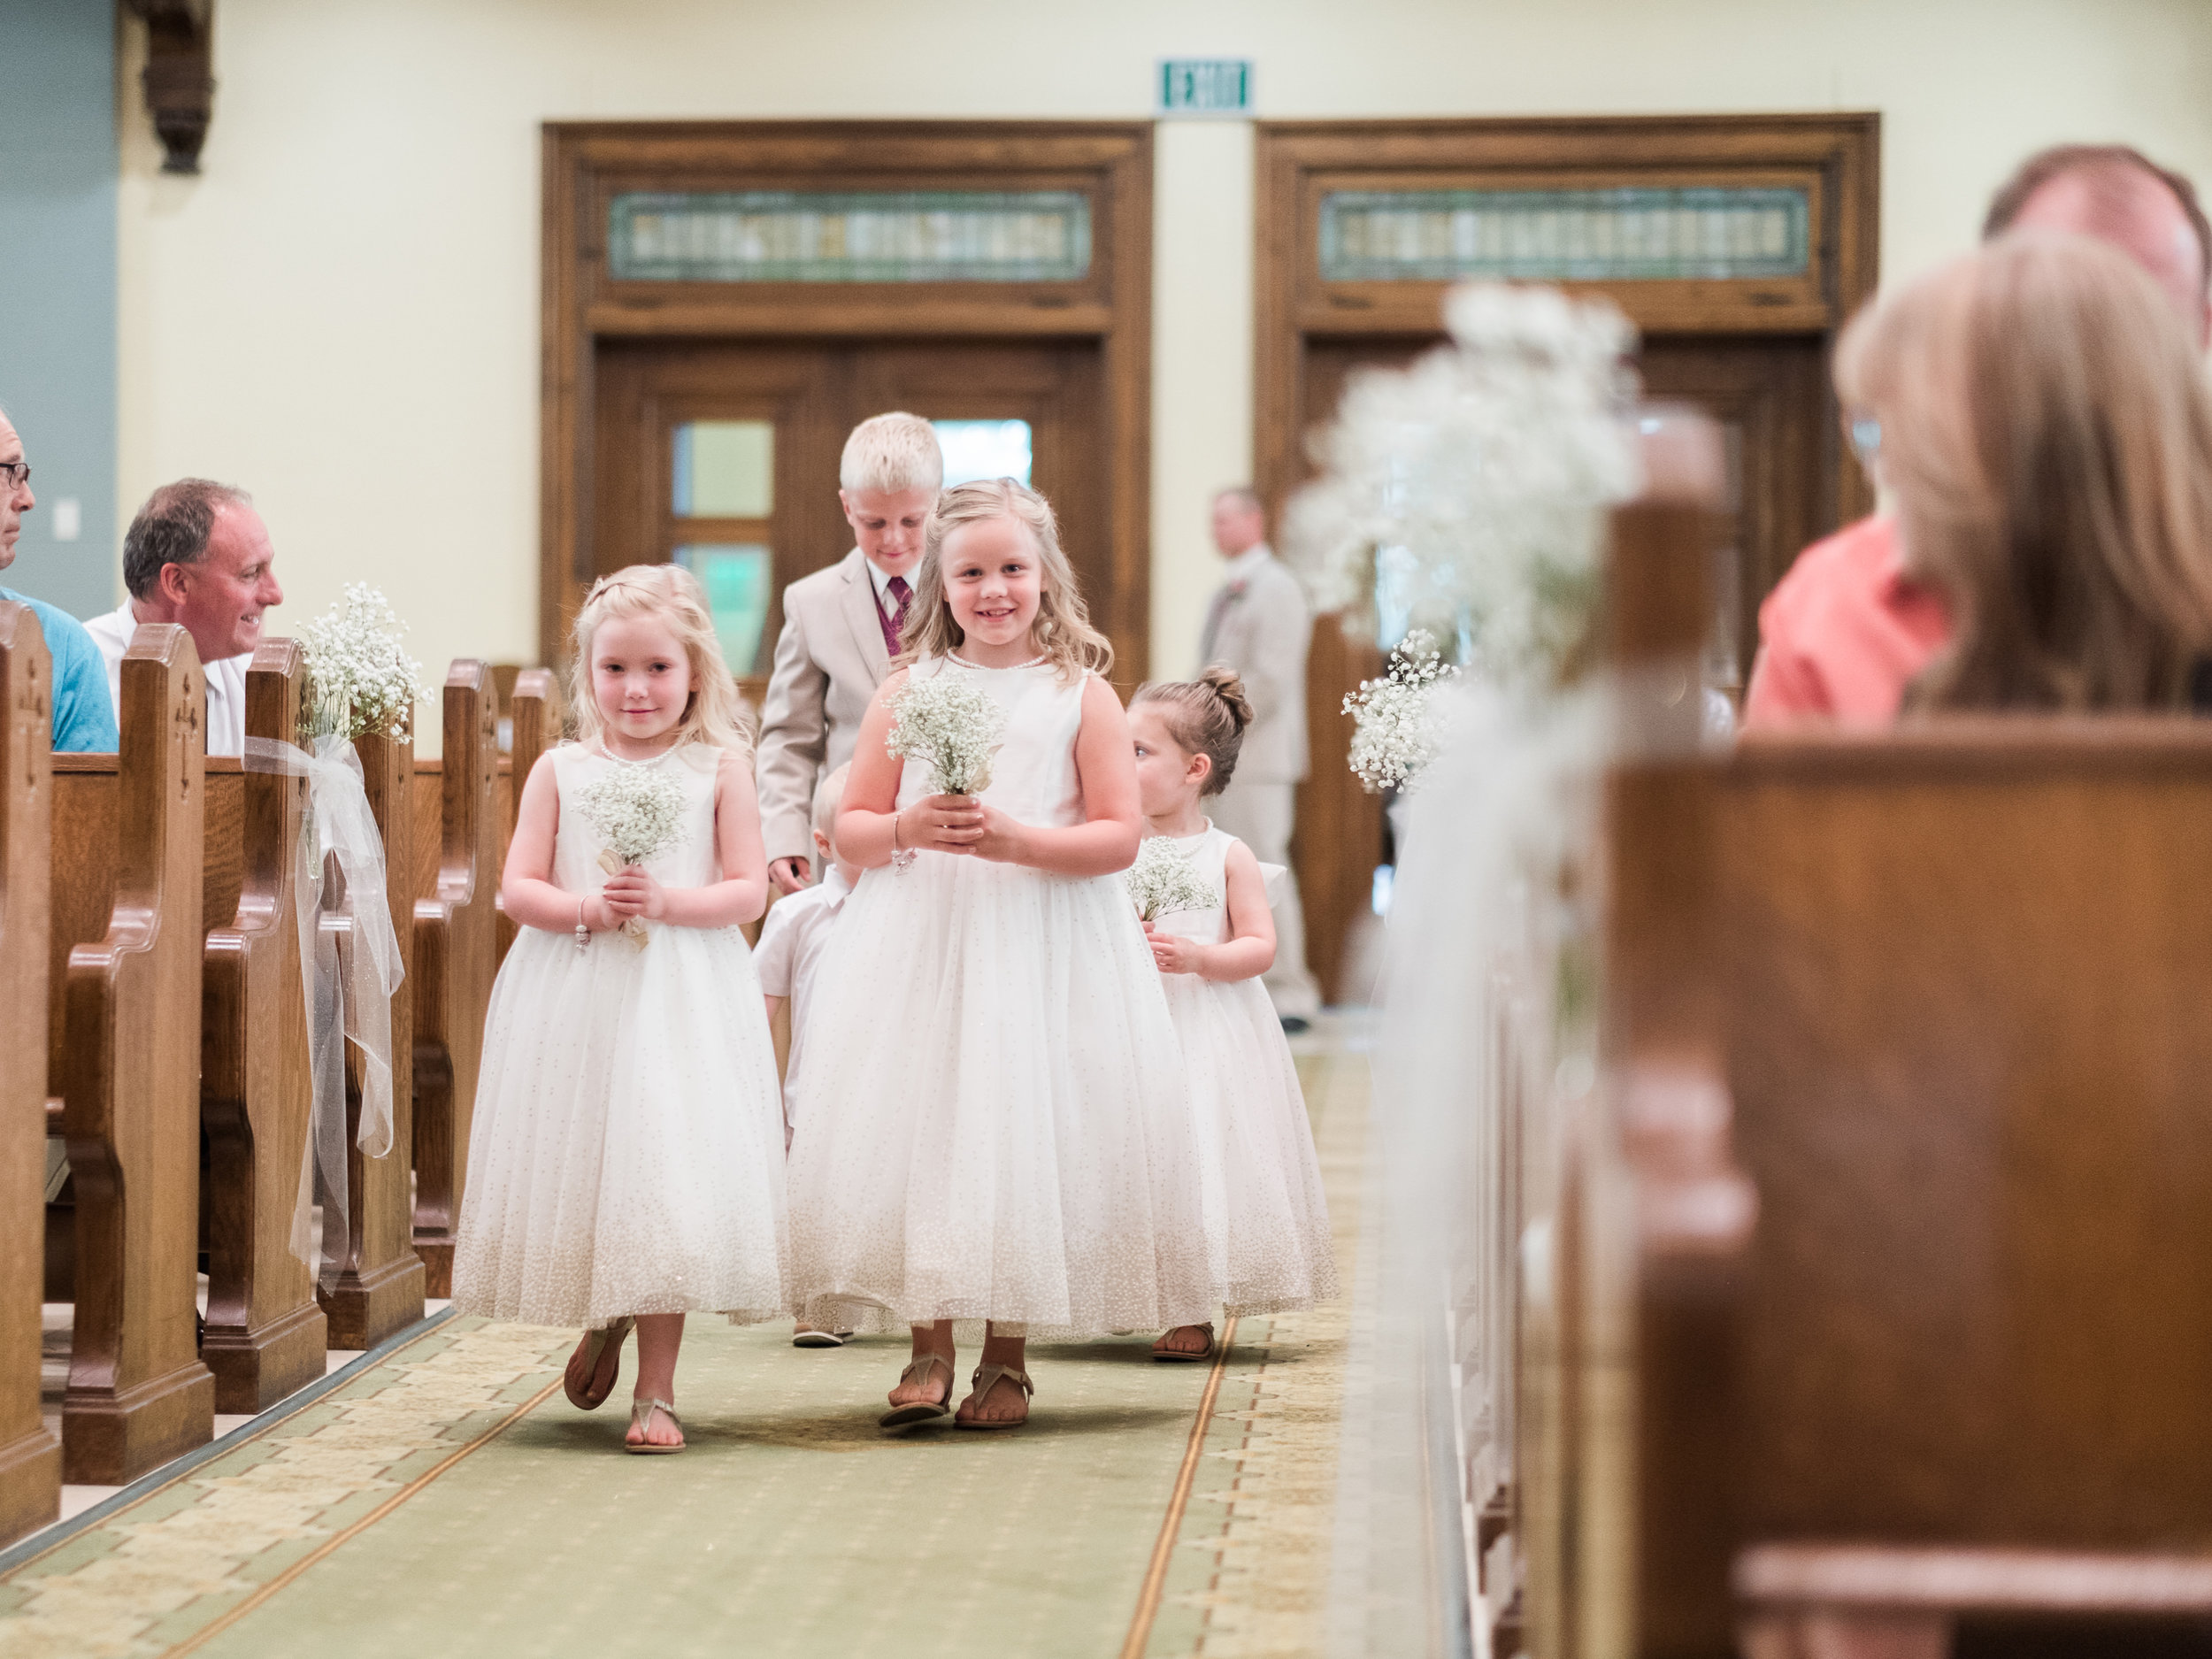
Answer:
x=349 y=995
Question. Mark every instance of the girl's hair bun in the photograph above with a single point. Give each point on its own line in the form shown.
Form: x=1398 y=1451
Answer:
x=1207 y=716
x=1228 y=685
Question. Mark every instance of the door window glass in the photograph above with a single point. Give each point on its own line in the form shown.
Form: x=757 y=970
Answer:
x=737 y=583
x=724 y=469
x=984 y=448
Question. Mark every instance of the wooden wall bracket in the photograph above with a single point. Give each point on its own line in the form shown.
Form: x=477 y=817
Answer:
x=180 y=79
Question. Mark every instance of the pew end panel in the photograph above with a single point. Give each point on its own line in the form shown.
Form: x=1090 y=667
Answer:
x=30 y=1453
x=531 y=698
x=456 y=954
x=138 y=1395
x=267 y=1333
x=380 y=1283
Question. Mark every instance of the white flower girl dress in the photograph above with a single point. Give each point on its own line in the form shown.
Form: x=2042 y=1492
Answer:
x=1245 y=1084
x=628 y=1151
x=993 y=1122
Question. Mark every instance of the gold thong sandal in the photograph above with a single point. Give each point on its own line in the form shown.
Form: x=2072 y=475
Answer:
x=642 y=1420
x=905 y=1417
x=1185 y=1356
x=585 y=1389
x=986 y=1378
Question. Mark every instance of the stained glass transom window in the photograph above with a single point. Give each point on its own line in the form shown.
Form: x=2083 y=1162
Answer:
x=737 y=580
x=1564 y=235
x=913 y=236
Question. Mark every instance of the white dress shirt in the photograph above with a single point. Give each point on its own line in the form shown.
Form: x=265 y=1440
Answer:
x=225 y=680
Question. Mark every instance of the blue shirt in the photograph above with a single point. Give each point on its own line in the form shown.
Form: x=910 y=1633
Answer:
x=84 y=718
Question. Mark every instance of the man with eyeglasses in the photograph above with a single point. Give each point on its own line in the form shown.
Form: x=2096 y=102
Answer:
x=1846 y=632
x=83 y=715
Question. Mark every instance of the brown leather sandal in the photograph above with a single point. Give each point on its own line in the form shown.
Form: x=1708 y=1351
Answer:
x=586 y=1388
x=916 y=1411
x=986 y=1378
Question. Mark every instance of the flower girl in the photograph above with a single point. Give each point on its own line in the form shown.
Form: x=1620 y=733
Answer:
x=1002 y=1133
x=627 y=1162
x=1212 y=941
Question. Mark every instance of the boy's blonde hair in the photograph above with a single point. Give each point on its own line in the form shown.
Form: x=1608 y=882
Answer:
x=828 y=795
x=717 y=715
x=1062 y=630
x=891 y=454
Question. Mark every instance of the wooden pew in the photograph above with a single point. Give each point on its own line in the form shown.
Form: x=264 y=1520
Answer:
x=265 y=1333
x=457 y=831
x=30 y=1454
x=124 y=1044
x=534 y=722
x=381 y=1282
x=1884 y=1310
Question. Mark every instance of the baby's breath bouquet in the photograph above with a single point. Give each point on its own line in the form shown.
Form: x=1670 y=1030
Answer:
x=1393 y=721
x=638 y=811
x=1161 y=882
x=947 y=722
x=360 y=679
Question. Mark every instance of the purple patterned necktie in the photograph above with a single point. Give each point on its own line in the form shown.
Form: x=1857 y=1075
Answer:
x=903 y=596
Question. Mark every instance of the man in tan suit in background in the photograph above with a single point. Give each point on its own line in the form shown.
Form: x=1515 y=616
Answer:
x=840 y=630
x=1259 y=625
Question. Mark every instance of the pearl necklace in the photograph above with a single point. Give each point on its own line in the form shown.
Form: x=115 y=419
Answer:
x=1037 y=661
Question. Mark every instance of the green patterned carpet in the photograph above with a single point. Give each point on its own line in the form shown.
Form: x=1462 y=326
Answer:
x=451 y=1500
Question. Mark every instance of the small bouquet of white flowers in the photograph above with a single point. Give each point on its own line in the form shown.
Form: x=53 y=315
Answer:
x=360 y=679
x=1394 y=727
x=1161 y=882
x=638 y=811
x=948 y=724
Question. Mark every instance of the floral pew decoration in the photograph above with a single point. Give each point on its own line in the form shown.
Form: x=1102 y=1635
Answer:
x=361 y=680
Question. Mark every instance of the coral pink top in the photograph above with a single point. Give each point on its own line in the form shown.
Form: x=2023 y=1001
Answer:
x=1843 y=634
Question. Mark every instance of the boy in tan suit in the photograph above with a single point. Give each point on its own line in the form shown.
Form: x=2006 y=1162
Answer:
x=1259 y=625
x=840 y=630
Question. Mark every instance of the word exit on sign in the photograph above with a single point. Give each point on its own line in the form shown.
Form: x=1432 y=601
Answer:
x=1205 y=86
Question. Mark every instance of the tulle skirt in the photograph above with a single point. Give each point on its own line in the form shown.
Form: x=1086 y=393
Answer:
x=627 y=1155
x=1275 y=1218
x=993 y=1123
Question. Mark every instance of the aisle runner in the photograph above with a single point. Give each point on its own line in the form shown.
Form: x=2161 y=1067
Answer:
x=163 y=1572
x=450 y=1501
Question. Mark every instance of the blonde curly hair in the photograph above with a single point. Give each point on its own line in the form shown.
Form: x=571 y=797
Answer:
x=715 y=716
x=1062 y=630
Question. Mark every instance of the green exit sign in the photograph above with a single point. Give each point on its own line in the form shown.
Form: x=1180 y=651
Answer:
x=1205 y=86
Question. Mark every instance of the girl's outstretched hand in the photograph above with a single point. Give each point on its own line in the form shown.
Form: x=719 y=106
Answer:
x=1172 y=953
x=633 y=891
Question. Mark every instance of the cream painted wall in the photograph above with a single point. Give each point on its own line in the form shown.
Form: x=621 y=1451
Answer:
x=341 y=312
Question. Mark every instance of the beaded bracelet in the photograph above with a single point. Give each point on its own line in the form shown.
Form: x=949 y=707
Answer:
x=583 y=933
x=901 y=859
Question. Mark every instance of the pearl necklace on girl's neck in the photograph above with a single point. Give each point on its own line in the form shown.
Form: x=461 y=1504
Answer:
x=1035 y=662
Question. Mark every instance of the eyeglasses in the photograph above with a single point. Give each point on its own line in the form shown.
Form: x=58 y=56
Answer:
x=14 y=475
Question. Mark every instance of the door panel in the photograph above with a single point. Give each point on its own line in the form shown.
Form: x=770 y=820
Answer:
x=809 y=395
x=1771 y=399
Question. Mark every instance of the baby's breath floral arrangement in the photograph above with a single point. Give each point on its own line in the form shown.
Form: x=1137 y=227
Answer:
x=1161 y=882
x=1478 y=477
x=638 y=811
x=360 y=679
x=948 y=724
x=1393 y=718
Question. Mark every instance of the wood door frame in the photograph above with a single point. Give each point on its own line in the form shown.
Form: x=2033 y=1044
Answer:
x=1836 y=156
x=585 y=162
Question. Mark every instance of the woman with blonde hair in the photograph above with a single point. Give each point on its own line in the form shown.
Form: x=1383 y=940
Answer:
x=2046 y=442
x=625 y=1166
x=998 y=1131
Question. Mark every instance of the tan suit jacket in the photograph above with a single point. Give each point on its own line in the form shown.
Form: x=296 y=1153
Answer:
x=829 y=661
x=1259 y=625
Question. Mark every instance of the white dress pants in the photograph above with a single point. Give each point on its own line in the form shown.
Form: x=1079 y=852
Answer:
x=1261 y=815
